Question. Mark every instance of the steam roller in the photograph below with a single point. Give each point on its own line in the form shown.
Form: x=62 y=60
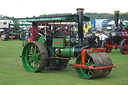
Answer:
x=55 y=50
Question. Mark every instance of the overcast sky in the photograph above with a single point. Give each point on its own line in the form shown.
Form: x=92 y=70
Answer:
x=24 y=8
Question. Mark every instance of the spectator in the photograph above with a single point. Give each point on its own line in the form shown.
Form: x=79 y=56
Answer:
x=26 y=38
x=102 y=37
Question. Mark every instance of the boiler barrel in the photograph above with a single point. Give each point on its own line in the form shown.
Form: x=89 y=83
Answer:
x=66 y=52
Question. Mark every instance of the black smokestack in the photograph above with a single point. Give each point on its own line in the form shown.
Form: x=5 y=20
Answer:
x=116 y=18
x=80 y=25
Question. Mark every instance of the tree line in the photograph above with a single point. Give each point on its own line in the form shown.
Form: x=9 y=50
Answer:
x=95 y=15
x=123 y=16
x=91 y=15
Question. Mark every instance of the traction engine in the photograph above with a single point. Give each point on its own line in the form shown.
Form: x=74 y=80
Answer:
x=118 y=38
x=55 y=51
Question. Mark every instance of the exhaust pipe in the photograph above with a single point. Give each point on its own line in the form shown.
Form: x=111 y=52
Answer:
x=116 y=18
x=80 y=25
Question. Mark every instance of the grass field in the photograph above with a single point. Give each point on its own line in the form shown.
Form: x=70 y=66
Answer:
x=12 y=71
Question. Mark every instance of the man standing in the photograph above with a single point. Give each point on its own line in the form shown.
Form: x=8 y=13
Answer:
x=102 y=37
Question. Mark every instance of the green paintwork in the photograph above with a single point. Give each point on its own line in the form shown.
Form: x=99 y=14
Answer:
x=51 y=19
x=57 y=61
x=31 y=57
x=66 y=52
x=67 y=40
x=58 y=43
x=41 y=39
x=13 y=34
x=85 y=73
x=39 y=19
x=23 y=35
x=126 y=24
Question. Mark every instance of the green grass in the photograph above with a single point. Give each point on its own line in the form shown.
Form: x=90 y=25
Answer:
x=107 y=31
x=12 y=71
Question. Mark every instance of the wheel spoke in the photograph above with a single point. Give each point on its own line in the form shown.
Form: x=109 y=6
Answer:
x=30 y=59
x=90 y=71
x=30 y=51
x=89 y=60
x=123 y=47
x=38 y=61
x=38 y=53
x=92 y=65
x=29 y=55
x=35 y=49
x=86 y=58
x=34 y=65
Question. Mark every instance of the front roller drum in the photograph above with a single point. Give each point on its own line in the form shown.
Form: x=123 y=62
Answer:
x=95 y=60
x=34 y=56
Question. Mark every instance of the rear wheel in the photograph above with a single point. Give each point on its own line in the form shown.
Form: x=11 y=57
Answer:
x=23 y=35
x=106 y=44
x=34 y=56
x=124 y=46
x=95 y=60
x=5 y=37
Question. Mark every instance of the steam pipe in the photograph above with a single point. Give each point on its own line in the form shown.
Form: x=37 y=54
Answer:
x=116 y=18
x=80 y=25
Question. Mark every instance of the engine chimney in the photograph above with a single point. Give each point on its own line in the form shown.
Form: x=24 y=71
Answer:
x=80 y=25
x=116 y=18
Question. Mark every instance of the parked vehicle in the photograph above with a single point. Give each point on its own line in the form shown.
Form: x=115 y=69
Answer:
x=97 y=24
x=4 y=24
x=110 y=25
x=125 y=23
x=105 y=23
x=1 y=31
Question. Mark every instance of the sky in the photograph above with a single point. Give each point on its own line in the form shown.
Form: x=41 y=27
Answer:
x=30 y=8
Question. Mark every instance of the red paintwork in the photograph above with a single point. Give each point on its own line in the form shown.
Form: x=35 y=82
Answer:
x=84 y=51
x=124 y=35
x=83 y=55
x=125 y=47
x=11 y=37
x=84 y=66
x=91 y=67
x=114 y=46
x=57 y=42
x=109 y=43
x=1 y=34
x=108 y=46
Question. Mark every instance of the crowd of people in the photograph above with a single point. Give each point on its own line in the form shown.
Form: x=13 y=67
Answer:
x=35 y=32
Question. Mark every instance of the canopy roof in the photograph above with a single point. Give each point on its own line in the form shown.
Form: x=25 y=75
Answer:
x=20 y=24
x=65 y=18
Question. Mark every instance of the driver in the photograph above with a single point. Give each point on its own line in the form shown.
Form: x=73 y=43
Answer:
x=34 y=31
x=42 y=31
